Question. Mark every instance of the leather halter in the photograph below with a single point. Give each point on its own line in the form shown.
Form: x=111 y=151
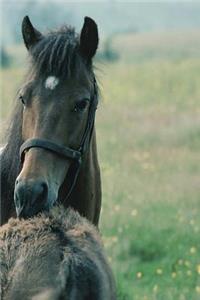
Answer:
x=66 y=152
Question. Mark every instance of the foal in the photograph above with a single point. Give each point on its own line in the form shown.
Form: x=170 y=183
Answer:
x=58 y=255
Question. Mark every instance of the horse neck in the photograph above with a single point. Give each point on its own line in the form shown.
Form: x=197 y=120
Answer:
x=10 y=164
x=10 y=167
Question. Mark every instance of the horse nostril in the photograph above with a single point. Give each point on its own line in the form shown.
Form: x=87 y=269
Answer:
x=30 y=197
x=39 y=193
x=16 y=181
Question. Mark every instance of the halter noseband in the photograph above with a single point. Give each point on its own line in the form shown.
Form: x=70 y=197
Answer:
x=66 y=152
x=51 y=146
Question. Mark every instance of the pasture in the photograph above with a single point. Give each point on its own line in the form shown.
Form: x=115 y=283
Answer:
x=148 y=133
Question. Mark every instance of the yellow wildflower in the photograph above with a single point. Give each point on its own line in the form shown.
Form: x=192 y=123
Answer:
x=139 y=275
x=191 y=222
x=197 y=289
x=117 y=207
x=155 y=288
x=159 y=271
x=198 y=269
x=134 y=212
x=173 y=274
x=193 y=250
x=189 y=272
x=187 y=263
x=180 y=262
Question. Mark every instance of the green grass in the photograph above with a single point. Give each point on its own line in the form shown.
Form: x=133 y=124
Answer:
x=148 y=130
x=149 y=140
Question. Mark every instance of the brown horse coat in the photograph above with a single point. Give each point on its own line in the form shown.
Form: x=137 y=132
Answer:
x=53 y=256
x=53 y=104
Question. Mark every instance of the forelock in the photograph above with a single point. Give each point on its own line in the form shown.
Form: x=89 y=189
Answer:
x=58 y=53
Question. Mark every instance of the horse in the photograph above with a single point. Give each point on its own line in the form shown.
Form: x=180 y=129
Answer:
x=54 y=255
x=50 y=153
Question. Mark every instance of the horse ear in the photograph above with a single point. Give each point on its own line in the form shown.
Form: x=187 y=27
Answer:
x=30 y=35
x=89 y=38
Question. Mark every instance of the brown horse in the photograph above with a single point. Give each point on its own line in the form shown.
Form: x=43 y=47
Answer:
x=58 y=255
x=53 y=127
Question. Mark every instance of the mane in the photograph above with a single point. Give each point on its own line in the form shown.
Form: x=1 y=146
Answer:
x=57 y=53
x=10 y=161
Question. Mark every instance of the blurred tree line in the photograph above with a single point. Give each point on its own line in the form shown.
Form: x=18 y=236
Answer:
x=111 y=16
x=108 y=53
x=5 y=59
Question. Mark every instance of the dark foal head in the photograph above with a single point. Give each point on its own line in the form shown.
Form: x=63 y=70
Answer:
x=56 y=98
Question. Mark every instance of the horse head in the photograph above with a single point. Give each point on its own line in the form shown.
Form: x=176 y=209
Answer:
x=59 y=102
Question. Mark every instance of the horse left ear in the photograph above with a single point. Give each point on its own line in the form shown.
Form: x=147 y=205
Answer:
x=30 y=35
x=89 y=38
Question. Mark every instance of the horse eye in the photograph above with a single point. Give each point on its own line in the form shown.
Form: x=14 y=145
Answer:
x=21 y=98
x=81 y=105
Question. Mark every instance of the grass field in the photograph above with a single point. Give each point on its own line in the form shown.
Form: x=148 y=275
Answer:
x=149 y=139
x=148 y=128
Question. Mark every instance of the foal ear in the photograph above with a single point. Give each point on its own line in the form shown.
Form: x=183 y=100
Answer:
x=30 y=35
x=89 y=38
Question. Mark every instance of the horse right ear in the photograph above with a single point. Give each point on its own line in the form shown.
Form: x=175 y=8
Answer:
x=30 y=35
x=89 y=38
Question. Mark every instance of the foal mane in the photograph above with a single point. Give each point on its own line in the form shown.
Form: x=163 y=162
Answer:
x=56 y=53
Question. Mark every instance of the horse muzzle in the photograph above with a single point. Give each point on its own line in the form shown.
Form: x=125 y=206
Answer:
x=32 y=197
